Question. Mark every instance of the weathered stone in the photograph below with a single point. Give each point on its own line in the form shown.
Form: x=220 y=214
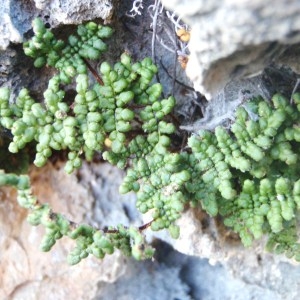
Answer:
x=147 y=281
x=16 y=15
x=28 y=273
x=230 y=40
x=235 y=39
x=221 y=109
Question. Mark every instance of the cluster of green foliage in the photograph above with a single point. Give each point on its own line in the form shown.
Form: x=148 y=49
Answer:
x=247 y=174
x=89 y=240
x=250 y=174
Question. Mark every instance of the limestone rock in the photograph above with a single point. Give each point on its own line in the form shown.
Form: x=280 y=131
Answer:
x=147 y=281
x=28 y=273
x=16 y=16
x=230 y=40
x=235 y=39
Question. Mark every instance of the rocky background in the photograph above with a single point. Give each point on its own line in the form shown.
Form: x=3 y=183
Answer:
x=237 y=49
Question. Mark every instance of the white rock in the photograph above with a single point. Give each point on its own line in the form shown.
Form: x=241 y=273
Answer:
x=234 y=39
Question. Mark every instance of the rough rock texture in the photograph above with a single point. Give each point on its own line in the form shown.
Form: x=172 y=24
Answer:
x=26 y=272
x=221 y=109
x=16 y=16
x=232 y=39
x=253 y=277
x=147 y=281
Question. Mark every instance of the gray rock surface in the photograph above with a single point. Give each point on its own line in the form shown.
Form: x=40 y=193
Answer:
x=147 y=281
x=220 y=110
x=16 y=15
x=28 y=273
x=189 y=277
x=234 y=39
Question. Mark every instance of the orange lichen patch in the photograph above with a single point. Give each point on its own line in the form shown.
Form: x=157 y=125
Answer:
x=183 y=60
x=183 y=34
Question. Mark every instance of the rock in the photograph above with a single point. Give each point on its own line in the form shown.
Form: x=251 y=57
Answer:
x=28 y=273
x=147 y=281
x=232 y=40
x=75 y=12
x=220 y=110
x=16 y=16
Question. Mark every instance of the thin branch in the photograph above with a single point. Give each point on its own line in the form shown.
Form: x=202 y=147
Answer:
x=176 y=80
x=175 y=64
x=172 y=17
x=164 y=45
x=140 y=228
x=294 y=90
x=154 y=26
x=93 y=71
x=53 y=216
